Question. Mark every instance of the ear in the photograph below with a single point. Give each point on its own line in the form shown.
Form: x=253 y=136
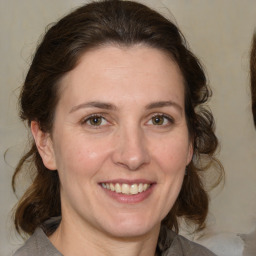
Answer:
x=44 y=146
x=190 y=152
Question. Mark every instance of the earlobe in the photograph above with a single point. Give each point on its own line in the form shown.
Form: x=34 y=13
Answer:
x=44 y=146
x=190 y=153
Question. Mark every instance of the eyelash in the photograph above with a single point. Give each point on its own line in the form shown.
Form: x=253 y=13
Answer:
x=170 y=120
x=85 y=121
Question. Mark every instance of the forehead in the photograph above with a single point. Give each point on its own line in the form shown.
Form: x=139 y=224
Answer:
x=134 y=70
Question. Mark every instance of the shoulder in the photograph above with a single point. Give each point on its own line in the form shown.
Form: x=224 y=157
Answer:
x=190 y=248
x=38 y=244
x=171 y=244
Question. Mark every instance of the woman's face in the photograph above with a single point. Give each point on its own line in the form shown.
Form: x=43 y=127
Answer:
x=120 y=141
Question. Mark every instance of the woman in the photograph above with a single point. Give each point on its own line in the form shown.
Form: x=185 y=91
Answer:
x=114 y=99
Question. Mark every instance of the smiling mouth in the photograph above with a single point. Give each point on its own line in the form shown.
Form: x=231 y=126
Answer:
x=126 y=189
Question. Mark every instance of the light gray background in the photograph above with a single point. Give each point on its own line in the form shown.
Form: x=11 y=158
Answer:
x=218 y=31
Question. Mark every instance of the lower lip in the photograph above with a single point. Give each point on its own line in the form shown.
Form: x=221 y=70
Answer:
x=129 y=199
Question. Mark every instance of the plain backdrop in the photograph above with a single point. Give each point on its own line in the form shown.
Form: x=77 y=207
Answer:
x=219 y=32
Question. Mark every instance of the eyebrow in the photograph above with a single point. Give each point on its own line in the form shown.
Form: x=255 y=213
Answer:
x=161 y=104
x=108 y=106
x=93 y=104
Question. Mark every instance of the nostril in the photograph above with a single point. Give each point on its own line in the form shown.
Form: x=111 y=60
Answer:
x=132 y=164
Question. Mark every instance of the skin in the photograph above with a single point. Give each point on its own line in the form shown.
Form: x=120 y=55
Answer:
x=139 y=87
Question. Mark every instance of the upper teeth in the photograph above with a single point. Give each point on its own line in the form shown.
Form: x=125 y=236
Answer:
x=126 y=188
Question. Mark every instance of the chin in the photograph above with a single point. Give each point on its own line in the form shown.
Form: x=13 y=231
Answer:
x=132 y=228
x=132 y=232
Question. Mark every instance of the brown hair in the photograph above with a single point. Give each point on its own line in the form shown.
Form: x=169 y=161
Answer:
x=253 y=77
x=92 y=25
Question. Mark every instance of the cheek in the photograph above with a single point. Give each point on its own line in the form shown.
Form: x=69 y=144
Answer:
x=76 y=158
x=172 y=155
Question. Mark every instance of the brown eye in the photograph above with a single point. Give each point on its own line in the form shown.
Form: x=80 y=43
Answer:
x=95 y=121
x=158 y=120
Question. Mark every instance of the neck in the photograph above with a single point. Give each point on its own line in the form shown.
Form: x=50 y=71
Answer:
x=71 y=239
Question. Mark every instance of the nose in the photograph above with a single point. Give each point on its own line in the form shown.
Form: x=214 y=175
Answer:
x=131 y=150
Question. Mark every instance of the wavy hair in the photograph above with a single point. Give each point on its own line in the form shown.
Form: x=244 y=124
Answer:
x=119 y=23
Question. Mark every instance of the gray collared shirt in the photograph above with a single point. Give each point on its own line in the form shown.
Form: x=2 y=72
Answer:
x=169 y=244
